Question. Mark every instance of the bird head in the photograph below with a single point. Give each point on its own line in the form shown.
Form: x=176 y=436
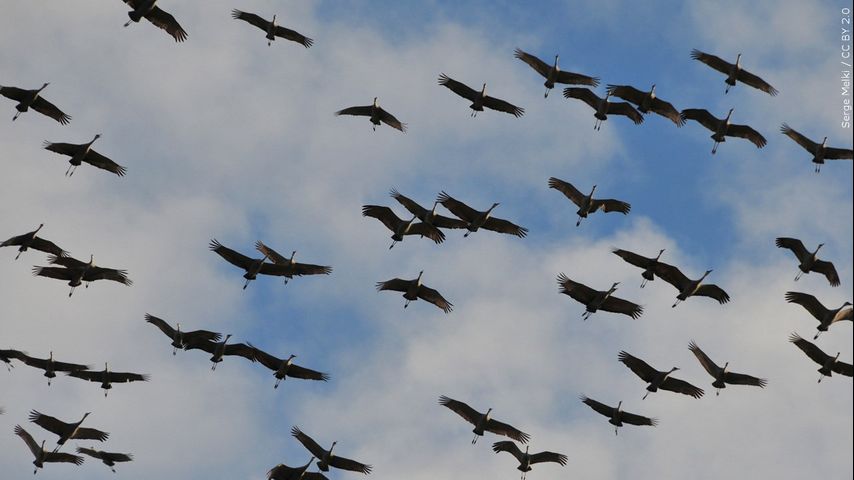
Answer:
x=274 y=18
x=97 y=136
x=227 y=337
x=40 y=227
x=824 y=142
x=493 y=207
x=659 y=254
x=730 y=113
x=846 y=304
x=738 y=60
x=91 y=259
x=557 y=57
x=593 y=189
x=725 y=366
x=483 y=90
x=705 y=274
x=178 y=325
x=44 y=86
x=51 y=355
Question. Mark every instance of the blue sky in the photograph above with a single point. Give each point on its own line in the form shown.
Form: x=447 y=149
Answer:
x=226 y=138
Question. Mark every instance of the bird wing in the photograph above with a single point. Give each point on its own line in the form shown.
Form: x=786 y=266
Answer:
x=409 y=204
x=293 y=36
x=504 y=226
x=742 y=379
x=232 y=257
x=427 y=230
x=469 y=414
x=633 y=419
x=540 y=66
x=627 y=92
x=28 y=439
x=828 y=270
x=681 y=386
x=578 y=291
x=541 y=457
x=801 y=140
x=96 y=159
x=98 y=273
x=442 y=221
x=271 y=254
x=240 y=349
x=457 y=207
x=641 y=368
x=125 y=377
x=584 y=94
x=713 y=291
x=459 y=88
x=383 y=214
x=66 y=261
x=600 y=407
x=362 y=111
x=809 y=302
x=47 y=247
x=610 y=205
x=14 y=93
x=711 y=60
x=87 y=375
x=200 y=344
x=52 y=272
x=391 y=121
x=270 y=361
x=704 y=359
x=91 y=452
x=51 y=424
x=744 y=131
x=838 y=153
x=306 y=373
x=618 y=305
x=68 y=149
x=502 y=106
x=90 y=434
x=396 y=284
x=754 y=81
x=167 y=22
x=811 y=349
x=251 y=18
x=572 y=78
x=501 y=428
x=625 y=109
x=509 y=447
x=434 y=297
x=351 y=465
x=161 y=324
x=843 y=368
x=46 y=108
x=567 y=189
x=702 y=116
x=633 y=258
x=795 y=245
x=69 y=367
x=118 y=457
x=671 y=275
x=309 y=269
x=308 y=443
x=62 y=457
x=667 y=110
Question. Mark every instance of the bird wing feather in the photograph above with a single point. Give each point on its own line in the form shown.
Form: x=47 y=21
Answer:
x=434 y=297
x=681 y=386
x=96 y=159
x=707 y=363
x=504 y=226
x=293 y=36
x=308 y=442
x=756 y=82
x=744 y=131
x=713 y=61
x=509 y=447
x=348 y=464
x=231 y=256
x=502 y=106
x=501 y=428
x=46 y=108
x=457 y=207
x=167 y=22
x=540 y=66
x=618 y=305
x=459 y=88
x=828 y=270
x=469 y=414
x=641 y=368
x=713 y=291
x=567 y=189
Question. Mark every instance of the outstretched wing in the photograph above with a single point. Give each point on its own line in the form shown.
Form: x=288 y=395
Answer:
x=509 y=447
x=549 y=457
x=47 y=246
x=308 y=442
x=610 y=205
x=633 y=258
x=161 y=324
x=351 y=465
x=828 y=270
x=391 y=121
x=584 y=94
x=98 y=273
x=28 y=439
x=801 y=140
x=293 y=36
x=742 y=379
x=231 y=256
x=361 y=111
x=681 y=386
x=251 y=18
x=427 y=230
x=434 y=297
x=502 y=106
x=809 y=302
x=744 y=131
x=469 y=414
x=567 y=189
x=59 y=273
x=704 y=359
x=504 y=226
x=671 y=275
x=457 y=207
x=396 y=284
x=599 y=407
x=125 y=377
x=625 y=109
x=501 y=428
x=634 y=419
x=167 y=22
x=701 y=116
x=711 y=60
x=46 y=108
x=306 y=373
x=383 y=214
x=667 y=110
x=811 y=349
x=641 y=368
x=754 y=81
x=69 y=149
x=618 y=305
x=713 y=291
x=540 y=66
x=578 y=291
x=62 y=457
x=795 y=245
x=831 y=153
x=96 y=159
x=459 y=88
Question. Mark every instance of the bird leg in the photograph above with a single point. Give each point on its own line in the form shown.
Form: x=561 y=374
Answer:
x=615 y=430
x=474 y=440
x=375 y=128
x=820 y=377
x=677 y=303
x=68 y=172
x=715 y=147
x=645 y=395
x=13 y=119
x=392 y=244
x=817 y=168
x=72 y=291
x=406 y=304
x=113 y=469
x=643 y=283
x=544 y=96
x=19 y=254
x=717 y=392
x=246 y=284
x=798 y=276
x=816 y=335
x=586 y=315
x=277 y=383
x=578 y=222
x=213 y=367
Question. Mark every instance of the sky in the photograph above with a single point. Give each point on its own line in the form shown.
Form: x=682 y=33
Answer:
x=227 y=138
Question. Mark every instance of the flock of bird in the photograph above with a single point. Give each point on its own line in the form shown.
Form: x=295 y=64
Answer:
x=428 y=223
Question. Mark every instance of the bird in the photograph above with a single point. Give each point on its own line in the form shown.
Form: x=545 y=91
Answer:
x=414 y=289
x=721 y=375
x=325 y=457
x=482 y=422
x=107 y=378
x=220 y=349
x=586 y=203
x=51 y=366
x=30 y=240
x=429 y=217
x=284 y=472
x=83 y=153
x=377 y=114
x=151 y=12
x=617 y=416
x=647 y=264
x=809 y=261
x=825 y=316
x=33 y=98
x=647 y=102
x=722 y=127
x=553 y=74
x=6 y=356
x=286 y=368
x=479 y=99
x=43 y=456
x=734 y=72
x=401 y=227
x=181 y=339
x=476 y=220
x=596 y=300
x=828 y=364
x=687 y=287
x=272 y=29
x=820 y=151
x=292 y=267
x=67 y=431
x=527 y=459
x=77 y=272
x=108 y=458
x=658 y=379
x=252 y=266
x=603 y=106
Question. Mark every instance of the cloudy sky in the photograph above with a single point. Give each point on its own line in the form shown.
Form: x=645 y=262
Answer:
x=227 y=138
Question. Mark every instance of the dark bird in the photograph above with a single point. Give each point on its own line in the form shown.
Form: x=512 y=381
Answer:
x=77 y=272
x=647 y=102
x=107 y=378
x=482 y=422
x=413 y=290
x=603 y=106
x=647 y=264
x=149 y=10
x=401 y=227
x=476 y=219
x=83 y=152
x=733 y=72
x=32 y=98
x=809 y=261
x=30 y=240
x=687 y=287
x=252 y=266
x=43 y=456
x=527 y=459
x=283 y=368
x=292 y=268
x=617 y=416
x=377 y=114
x=180 y=339
x=722 y=127
x=825 y=316
x=67 y=431
x=479 y=99
x=429 y=217
x=721 y=375
x=6 y=357
x=586 y=203
x=658 y=379
x=820 y=152
x=272 y=29
x=51 y=366
x=220 y=349
x=553 y=74
x=325 y=457
x=284 y=472
x=596 y=300
x=108 y=458
x=828 y=364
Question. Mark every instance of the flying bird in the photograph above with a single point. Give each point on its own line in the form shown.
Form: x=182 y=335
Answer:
x=272 y=29
x=220 y=349
x=77 y=272
x=30 y=240
x=33 y=98
x=151 y=12
x=401 y=227
x=825 y=316
x=83 y=152
x=596 y=300
x=809 y=261
x=603 y=106
x=828 y=364
x=284 y=472
x=527 y=459
x=586 y=203
x=67 y=431
x=687 y=287
x=734 y=72
x=479 y=99
x=181 y=339
x=723 y=128
x=617 y=416
x=107 y=378
x=292 y=268
x=475 y=219
x=820 y=151
x=647 y=264
x=721 y=375
x=283 y=368
x=325 y=457
x=658 y=379
x=482 y=422
x=377 y=115
x=553 y=74
x=108 y=458
x=647 y=102
x=51 y=366
x=252 y=266
x=429 y=217
x=414 y=289
x=43 y=456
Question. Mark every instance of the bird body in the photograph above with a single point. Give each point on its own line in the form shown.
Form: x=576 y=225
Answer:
x=825 y=316
x=595 y=300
